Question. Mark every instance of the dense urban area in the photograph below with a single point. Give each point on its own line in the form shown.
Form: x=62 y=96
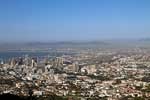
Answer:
x=84 y=74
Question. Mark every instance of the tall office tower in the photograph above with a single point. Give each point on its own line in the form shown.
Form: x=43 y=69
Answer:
x=59 y=61
x=62 y=61
x=2 y=62
x=13 y=62
x=56 y=61
x=26 y=60
x=33 y=63
x=76 y=67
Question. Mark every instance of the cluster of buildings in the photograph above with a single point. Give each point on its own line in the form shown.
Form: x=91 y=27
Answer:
x=91 y=73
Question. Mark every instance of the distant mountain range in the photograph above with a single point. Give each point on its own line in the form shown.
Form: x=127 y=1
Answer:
x=80 y=44
x=145 y=40
x=64 y=44
x=68 y=43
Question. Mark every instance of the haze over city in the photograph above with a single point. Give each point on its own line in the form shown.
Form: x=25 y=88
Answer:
x=75 y=49
x=73 y=20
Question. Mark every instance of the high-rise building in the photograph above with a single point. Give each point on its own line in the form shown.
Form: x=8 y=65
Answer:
x=2 y=62
x=13 y=62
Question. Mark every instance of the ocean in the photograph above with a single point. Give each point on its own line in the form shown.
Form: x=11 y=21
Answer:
x=11 y=54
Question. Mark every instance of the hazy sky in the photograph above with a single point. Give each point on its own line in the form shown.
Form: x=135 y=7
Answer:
x=48 y=20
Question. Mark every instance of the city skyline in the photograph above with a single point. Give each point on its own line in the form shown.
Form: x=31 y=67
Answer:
x=69 y=20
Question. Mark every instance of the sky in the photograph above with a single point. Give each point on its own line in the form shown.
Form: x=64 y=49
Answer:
x=69 y=20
